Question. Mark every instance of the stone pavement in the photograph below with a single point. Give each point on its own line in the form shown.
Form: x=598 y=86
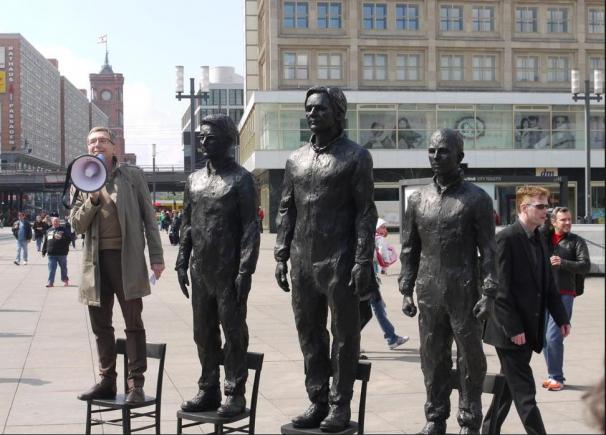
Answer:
x=48 y=356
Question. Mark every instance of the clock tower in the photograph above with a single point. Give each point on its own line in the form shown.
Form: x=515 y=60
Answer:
x=106 y=94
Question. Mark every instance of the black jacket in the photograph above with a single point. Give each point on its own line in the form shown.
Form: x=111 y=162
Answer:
x=56 y=241
x=39 y=228
x=28 y=229
x=520 y=304
x=573 y=251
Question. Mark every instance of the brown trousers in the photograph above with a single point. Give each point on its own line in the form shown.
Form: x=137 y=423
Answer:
x=110 y=263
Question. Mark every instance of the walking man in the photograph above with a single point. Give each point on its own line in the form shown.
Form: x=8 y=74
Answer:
x=526 y=291
x=569 y=259
x=117 y=221
x=39 y=227
x=56 y=245
x=22 y=231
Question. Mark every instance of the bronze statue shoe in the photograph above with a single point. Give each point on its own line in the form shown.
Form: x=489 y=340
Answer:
x=312 y=417
x=203 y=401
x=337 y=419
x=102 y=390
x=233 y=405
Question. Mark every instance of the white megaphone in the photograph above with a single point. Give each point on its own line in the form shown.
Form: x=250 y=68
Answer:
x=87 y=173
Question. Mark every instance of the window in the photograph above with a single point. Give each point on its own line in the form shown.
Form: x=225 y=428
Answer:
x=408 y=67
x=329 y=15
x=527 y=69
x=484 y=68
x=295 y=66
x=295 y=15
x=235 y=97
x=375 y=16
x=526 y=20
x=451 y=18
x=375 y=67
x=557 y=69
x=483 y=19
x=407 y=17
x=595 y=63
x=329 y=66
x=557 y=20
x=218 y=97
x=595 y=20
x=451 y=67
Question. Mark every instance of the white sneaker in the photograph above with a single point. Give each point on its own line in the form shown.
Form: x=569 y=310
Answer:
x=25 y=263
x=399 y=342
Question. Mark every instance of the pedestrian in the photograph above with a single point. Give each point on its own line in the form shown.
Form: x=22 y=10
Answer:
x=114 y=264
x=526 y=290
x=569 y=259
x=56 y=245
x=70 y=232
x=22 y=231
x=261 y=216
x=39 y=227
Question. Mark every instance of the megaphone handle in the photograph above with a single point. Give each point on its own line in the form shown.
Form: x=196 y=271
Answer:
x=68 y=177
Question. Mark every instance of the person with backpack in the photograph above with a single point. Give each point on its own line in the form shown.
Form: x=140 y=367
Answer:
x=570 y=262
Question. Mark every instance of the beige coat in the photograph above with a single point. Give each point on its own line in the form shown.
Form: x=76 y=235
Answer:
x=137 y=222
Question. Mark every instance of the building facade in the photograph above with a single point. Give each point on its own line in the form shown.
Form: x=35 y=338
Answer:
x=225 y=95
x=74 y=122
x=498 y=71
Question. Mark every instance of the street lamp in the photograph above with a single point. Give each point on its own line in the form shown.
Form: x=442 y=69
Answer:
x=598 y=89
x=192 y=96
x=154 y=173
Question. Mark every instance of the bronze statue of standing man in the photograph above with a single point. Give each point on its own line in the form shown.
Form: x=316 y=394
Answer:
x=220 y=243
x=446 y=224
x=326 y=225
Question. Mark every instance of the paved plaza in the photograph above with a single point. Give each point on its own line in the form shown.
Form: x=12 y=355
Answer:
x=48 y=355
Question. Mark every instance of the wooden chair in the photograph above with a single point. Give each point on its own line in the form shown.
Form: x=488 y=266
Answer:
x=493 y=384
x=154 y=351
x=254 y=361
x=362 y=374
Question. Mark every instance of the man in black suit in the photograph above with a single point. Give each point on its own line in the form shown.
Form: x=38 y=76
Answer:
x=526 y=290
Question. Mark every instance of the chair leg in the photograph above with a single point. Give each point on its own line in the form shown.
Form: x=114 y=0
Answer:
x=218 y=429
x=158 y=420
x=126 y=421
x=179 y=426
x=88 y=416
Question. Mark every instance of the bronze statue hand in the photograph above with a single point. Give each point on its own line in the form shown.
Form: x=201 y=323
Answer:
x=483 y=308
x=360 y=279
x=243 y=283
x=281 y=272
x=408 y=306
x=183 y=281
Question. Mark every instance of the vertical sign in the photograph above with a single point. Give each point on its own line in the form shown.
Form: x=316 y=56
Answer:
x=2 y=57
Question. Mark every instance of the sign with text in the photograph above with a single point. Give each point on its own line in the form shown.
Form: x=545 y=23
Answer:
x=2 y=58
x=2 y=82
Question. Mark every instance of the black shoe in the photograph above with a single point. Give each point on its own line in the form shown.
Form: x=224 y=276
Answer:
x=312 y=417
x=203 y=401
x=16 y=262
x=135 y=395
x=434 y=428
x=337 y=419
x=102 y=390
x=233 y=405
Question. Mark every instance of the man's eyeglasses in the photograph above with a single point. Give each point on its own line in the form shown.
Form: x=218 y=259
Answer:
x=539 y=206
x=100 y=140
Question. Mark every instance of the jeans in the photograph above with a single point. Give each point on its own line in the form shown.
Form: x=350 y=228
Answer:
x=39 y=241
x=21 y=250
x=378 y=306
x=53 y=260
x=554 y=343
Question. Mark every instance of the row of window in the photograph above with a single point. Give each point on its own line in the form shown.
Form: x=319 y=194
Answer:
x=375 y=16
x=410 y=67
x=219 y=97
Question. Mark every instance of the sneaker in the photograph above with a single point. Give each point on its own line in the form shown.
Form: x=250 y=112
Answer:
x=16 y=262
x=25 y=263
x=555 y=385
x=546 y=382
x=399 y=342
x=50 y=284
x=66 y=283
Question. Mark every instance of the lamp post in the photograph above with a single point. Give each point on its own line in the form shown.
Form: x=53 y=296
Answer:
x=192 y=96
x=154 y=173
x=598 y=89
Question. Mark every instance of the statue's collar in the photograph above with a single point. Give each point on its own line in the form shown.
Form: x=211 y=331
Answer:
x=450 y=185
x=320 y=149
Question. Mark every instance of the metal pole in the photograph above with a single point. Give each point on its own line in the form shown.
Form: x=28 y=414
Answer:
x=588 y=218
x=154 y=174
x=192 y=125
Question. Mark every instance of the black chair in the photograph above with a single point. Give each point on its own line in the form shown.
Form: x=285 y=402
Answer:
x=362 y=374
x=493 y=384
x=155 y=351
x=254 y=361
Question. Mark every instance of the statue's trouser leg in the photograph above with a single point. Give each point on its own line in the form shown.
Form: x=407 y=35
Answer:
x=311 y=310
x=345 y=327
x=206 y=334
x=233 y=320
x=436 y=360
x=471 y=363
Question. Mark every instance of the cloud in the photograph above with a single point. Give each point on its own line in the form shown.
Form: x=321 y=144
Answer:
x=76 y=69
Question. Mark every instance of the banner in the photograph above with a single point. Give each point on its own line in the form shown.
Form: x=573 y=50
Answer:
x=2 y=58
x=2 y=82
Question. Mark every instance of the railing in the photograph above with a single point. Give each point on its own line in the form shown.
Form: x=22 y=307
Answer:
x=11 y=169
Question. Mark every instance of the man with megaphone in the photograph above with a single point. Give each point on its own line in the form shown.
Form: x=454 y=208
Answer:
x=117 y=218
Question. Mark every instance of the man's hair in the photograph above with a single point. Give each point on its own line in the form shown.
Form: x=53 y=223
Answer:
x=337 y=99
x=525 y=192
x=556 y=210
x=225 y=124
x=104 y=130
x=452 y=137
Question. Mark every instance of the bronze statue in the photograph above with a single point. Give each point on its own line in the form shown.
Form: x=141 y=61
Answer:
x=326 y=225
x=446 y=224
x=220 y=232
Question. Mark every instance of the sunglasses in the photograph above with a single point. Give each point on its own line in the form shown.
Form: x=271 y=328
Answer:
x=539 y=206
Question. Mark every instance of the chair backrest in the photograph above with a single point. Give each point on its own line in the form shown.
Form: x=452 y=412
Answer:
x=155 y=351
x=362 y=374
x=254 y=361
